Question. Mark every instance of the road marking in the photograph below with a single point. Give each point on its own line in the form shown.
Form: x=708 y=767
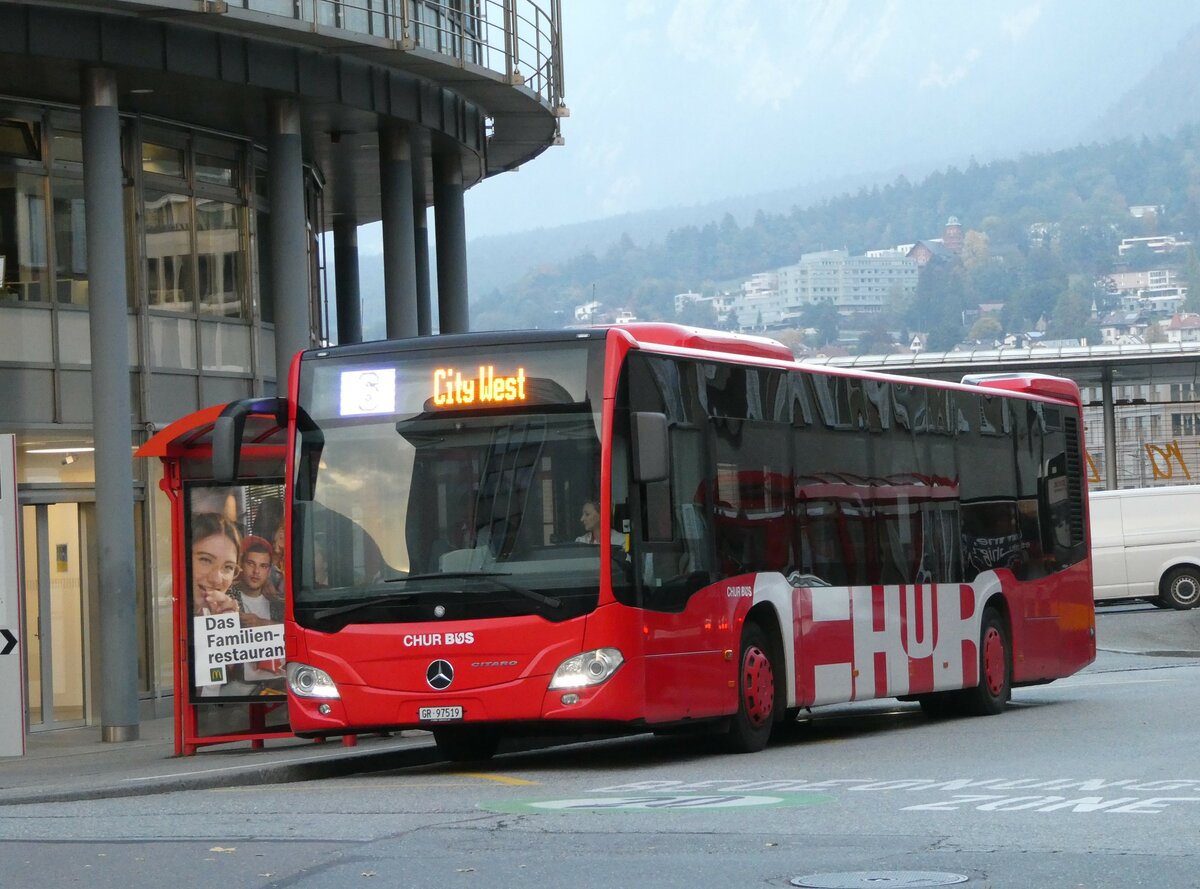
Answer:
x=655 y=802
x=500 y=779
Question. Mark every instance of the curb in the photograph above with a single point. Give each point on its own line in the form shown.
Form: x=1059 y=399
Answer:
x=339 y=765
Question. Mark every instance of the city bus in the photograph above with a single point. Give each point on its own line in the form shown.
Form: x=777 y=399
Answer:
x=773 y=536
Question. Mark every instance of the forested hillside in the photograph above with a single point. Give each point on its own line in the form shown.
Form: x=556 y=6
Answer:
x=1076 y=202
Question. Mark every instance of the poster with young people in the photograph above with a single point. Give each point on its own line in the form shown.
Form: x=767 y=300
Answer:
x=235 y=546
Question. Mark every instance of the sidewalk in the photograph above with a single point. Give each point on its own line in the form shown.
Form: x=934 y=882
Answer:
x=74 y=764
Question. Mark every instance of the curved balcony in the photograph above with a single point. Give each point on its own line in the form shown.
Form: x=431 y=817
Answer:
x=504 y=56
x=519 y=40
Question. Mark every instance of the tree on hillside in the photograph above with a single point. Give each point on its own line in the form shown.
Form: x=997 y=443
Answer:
x=698 y=314
x=1071 y=315
x=875 y=338
x=944 y=336
x=985 y=330
x=975 y=251
x=825 y=318
x=1191 y=275
x=942 y=296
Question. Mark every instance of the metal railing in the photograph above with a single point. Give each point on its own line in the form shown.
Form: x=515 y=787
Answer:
x=518 y=39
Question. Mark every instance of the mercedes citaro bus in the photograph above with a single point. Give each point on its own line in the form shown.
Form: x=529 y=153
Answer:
x=773 y=536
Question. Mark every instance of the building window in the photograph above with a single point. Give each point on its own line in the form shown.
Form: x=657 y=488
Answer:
x=168 y=221
x=163 y=160
x=23 y=254
x=20 y=138
x=213 y=169
x=70 y=241
x=219 y=258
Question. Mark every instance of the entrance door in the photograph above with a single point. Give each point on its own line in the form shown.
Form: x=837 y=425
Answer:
x=56 y=586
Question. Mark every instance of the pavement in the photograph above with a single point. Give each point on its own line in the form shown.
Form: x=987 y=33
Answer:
x=75 y=764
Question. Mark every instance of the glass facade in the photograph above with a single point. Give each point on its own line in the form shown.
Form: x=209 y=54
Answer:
x=200 y=332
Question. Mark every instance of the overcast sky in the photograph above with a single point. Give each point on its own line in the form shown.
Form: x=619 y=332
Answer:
x=680 y=102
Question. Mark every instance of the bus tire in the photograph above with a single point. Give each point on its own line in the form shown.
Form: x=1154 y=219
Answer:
x=1180 y=588
x=758 y=704
x=995 y=670
x=466 y=743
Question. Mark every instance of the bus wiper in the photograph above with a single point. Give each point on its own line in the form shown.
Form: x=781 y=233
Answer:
x=532 y=595
x=390 y=599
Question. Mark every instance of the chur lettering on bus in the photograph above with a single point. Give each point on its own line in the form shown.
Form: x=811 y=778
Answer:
x=894 y=640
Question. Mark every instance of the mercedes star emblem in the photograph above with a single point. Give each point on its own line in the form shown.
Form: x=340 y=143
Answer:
x=439 y=675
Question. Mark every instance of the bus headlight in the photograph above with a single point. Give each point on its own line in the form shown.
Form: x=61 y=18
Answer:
x=589 y=668
x=309 y=682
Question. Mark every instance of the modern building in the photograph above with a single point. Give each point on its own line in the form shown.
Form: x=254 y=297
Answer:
x=1154 y=243
x=167 y=173
x=852 y=284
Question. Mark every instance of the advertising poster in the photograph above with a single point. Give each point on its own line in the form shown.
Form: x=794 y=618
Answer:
x=235 y=545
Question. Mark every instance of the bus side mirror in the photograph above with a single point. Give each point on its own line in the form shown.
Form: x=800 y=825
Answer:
x=228 y=429
x=650 y=447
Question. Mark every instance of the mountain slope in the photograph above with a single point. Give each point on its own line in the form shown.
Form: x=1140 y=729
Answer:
x=1160 y=102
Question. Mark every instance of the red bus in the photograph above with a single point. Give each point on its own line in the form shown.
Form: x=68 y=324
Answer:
x=772 y=536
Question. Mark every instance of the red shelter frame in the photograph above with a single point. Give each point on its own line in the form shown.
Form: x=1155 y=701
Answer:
x=185 y=449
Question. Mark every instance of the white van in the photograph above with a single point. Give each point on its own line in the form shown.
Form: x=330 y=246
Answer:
x=1146 y=545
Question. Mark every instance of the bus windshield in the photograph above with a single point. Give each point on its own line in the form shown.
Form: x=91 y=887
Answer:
x=414 y=510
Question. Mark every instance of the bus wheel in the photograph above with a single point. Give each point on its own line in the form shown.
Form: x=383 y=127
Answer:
x=995 y=670
x=1181 y=588
x=466 y=743
x=750 y=727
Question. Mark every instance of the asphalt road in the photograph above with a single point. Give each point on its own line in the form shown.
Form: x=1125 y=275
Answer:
x=1092 y=781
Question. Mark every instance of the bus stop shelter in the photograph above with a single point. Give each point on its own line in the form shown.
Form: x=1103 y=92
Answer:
x=228 y=630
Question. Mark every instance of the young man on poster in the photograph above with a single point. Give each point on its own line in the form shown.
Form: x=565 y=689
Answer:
x=260 y=604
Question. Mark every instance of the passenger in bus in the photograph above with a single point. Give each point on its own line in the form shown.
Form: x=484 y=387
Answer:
x=216 y=542
x=590 y=518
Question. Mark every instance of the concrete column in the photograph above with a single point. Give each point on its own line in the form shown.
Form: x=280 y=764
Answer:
x=399 y=236
x=104 y=209
x=1110 y=432
x=421 y=245
x=450 y=229
x=346 y=285
x=287 y=247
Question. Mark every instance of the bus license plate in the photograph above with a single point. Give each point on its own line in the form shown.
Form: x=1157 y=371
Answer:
x=439 y=714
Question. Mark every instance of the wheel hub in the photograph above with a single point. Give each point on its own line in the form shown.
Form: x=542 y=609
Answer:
x=993 y=661
x=1185 y=590
x=758 y=685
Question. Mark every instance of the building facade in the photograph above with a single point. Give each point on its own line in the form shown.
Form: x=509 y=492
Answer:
x=170 y=173
x=852 y=284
